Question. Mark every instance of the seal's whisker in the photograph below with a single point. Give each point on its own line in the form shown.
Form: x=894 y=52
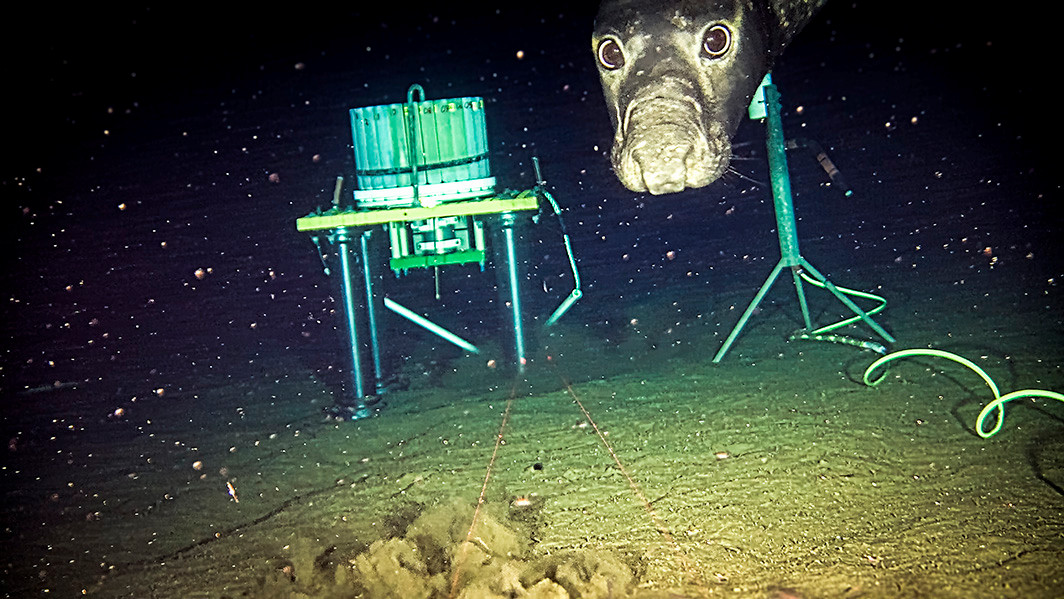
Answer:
x=733 y=171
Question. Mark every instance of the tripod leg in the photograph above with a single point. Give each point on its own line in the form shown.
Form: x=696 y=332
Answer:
x=848 y=302
x=801 y=298
x=749 y=311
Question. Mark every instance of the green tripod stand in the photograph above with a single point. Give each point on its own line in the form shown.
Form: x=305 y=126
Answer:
x=785 y=225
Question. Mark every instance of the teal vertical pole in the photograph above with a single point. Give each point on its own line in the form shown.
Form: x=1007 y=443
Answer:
x=781 y=180
x=515 y=296
x=781 y=194
x=371 y=312
x=343 y=242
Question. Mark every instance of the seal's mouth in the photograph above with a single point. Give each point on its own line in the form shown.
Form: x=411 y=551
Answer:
x=665 y=143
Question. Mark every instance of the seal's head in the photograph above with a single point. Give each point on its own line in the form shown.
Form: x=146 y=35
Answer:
x=677 y=76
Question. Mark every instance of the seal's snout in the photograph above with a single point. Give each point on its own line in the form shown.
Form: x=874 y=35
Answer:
x=663 y=145
x=667 y=159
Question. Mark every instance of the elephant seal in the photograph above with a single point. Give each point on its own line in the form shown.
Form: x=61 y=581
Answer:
x=678 y=75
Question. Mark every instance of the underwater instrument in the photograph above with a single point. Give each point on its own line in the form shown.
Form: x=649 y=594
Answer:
x=765 y=105
x=424 y=179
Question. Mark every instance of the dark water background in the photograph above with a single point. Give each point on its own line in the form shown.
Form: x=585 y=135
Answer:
x=141 y=145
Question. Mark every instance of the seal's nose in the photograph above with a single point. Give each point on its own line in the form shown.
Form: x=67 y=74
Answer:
x=662 y=146
x=664 y=167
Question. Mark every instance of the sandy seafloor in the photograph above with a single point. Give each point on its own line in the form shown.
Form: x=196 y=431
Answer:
x=141 y=400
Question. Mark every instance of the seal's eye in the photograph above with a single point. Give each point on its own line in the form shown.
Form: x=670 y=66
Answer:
x=715 y=42
x=610 y=55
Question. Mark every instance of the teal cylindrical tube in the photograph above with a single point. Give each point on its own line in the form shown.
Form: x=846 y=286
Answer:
x=371 y=312
x=347 y=291
x=428 y=325
x=515 y=295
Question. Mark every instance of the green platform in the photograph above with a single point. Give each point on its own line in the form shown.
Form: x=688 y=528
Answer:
x=353 y=218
